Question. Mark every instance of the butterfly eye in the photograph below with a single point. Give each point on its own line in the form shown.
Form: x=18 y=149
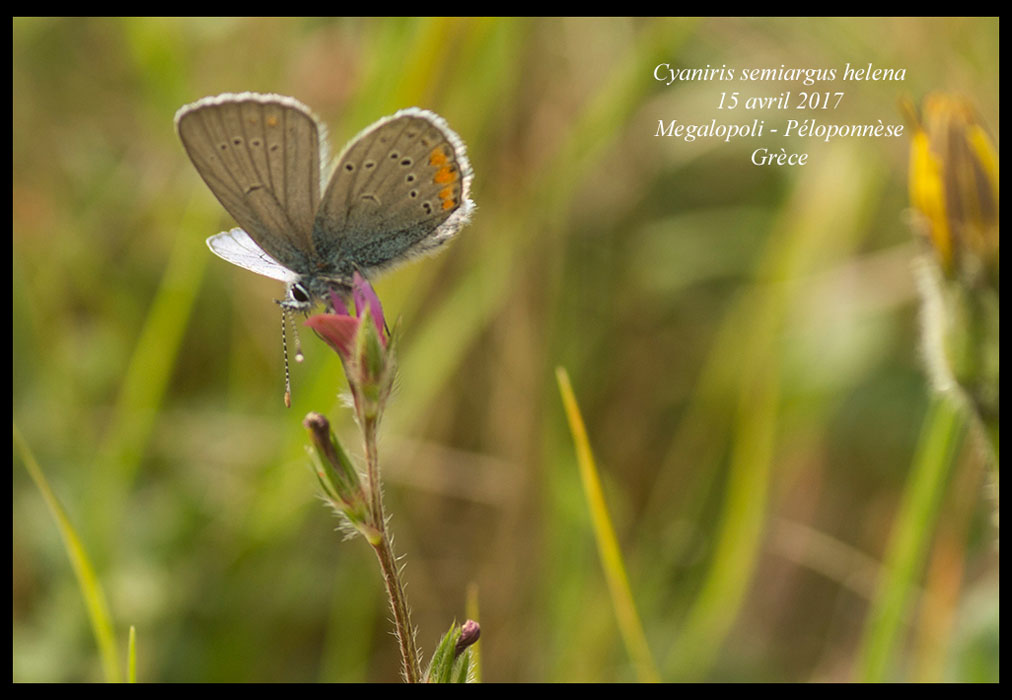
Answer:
x=299 y=294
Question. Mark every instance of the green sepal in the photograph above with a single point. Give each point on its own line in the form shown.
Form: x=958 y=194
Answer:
x=446 y=665
x=462 y=668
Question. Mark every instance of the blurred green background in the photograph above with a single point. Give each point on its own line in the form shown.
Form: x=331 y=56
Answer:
x=743 y=343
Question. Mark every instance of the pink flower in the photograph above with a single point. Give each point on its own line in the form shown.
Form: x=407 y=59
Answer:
x=339 y=329
x=366 y=350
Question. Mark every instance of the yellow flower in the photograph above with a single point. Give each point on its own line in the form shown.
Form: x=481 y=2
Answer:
x=954 y=187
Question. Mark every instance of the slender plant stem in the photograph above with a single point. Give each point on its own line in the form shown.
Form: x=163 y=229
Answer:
x=383 y=547
x=398 y=603
x=369 y=429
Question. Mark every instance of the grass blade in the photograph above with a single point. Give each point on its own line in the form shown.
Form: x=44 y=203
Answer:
x=132 y=656
x=87 y=581
x=915 y=524
x=607 y=543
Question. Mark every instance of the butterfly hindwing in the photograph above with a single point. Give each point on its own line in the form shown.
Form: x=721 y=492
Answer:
x=399 y=189
x=238 y=248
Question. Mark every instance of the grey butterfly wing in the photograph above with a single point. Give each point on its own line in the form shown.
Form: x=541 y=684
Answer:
x=260 y=156
x=238 y=248
x=400 y=189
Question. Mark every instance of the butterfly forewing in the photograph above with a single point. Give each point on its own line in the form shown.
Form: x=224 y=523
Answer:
x=260 y=156
x=406 y=177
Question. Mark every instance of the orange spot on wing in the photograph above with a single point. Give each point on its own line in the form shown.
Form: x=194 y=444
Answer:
x=272 y=121
x=444 y=175
x=437 y=157
x=449 y=200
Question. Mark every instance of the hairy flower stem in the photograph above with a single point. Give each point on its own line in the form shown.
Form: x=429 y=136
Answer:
x=383 y=546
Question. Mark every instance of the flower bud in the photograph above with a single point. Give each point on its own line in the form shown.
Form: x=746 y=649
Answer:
x=469 y=633
x=366 y=351
x=954 y=193
x=338 y=477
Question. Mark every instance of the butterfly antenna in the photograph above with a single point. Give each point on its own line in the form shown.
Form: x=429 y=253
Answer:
x=284 y=349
